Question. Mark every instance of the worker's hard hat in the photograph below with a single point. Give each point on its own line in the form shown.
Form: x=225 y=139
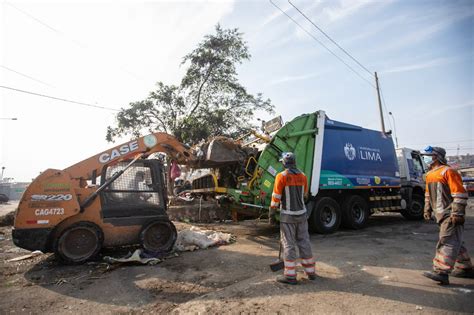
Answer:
x=288 y=159
x=438 y=152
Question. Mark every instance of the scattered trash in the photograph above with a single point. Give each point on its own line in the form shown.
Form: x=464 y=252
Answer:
x=188 y=240
x=7 y=219
x=61 y=282
x=33 y=254
x=196 y=238
x=416 y=233
x=463 y=290
x=419 y=308
x=2 y=237
x=106 y=267
x=138 y=256
x=15 y=250
x=185 y=198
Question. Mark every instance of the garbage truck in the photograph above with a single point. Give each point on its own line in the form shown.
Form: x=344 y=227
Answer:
x=352 y=173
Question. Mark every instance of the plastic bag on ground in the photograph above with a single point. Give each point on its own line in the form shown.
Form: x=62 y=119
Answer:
x=196 y=238
x=137 y=257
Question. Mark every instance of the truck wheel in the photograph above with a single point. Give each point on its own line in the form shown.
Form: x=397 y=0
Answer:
x=414 y=211
x=355 y=212
x=79 y=243
x=326 y=216
x=158 y=236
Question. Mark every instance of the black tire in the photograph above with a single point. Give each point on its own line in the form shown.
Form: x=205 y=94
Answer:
x=414 y=210
x=3 y=198
x=355 y=212
x=325 y=217
x=158 y=236
x=79 y=242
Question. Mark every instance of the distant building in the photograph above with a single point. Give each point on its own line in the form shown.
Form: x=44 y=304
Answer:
x=14 y=190
x=461 y=161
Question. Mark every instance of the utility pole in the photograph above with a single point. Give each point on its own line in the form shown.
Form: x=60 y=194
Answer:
x=394 y=128
x=380 y=102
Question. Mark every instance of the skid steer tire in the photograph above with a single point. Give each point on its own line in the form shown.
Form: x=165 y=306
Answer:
x=78 y=243
x=355 y=212
x=325 y=217
x=158 y=237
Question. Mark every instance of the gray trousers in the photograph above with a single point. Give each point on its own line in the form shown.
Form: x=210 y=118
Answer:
x=450 y=250
x=295 y=235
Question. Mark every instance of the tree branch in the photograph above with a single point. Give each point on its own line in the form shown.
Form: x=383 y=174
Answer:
x=156 y=115
x=198 y=101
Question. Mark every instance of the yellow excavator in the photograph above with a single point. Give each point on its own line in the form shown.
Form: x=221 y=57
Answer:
x=117 y=197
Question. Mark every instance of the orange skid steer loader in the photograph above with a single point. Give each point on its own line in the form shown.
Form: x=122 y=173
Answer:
x=115 y=198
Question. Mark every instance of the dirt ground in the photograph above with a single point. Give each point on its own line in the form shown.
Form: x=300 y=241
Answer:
x=375 y=270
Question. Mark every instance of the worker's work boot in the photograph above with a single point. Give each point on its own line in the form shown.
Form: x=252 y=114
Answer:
x=442 y=278
x=463 y=273
x=286 y=280
x=312 y=277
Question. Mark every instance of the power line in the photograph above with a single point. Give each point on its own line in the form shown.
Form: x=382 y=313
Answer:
x=26 y=76
x=317 y=40
x=122 y=68
x=453 y=141
x=44 y=24
x=454 y=149
x=58 y=98
x=328 y=37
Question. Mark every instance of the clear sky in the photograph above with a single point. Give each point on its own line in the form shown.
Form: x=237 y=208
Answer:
x=112 y=53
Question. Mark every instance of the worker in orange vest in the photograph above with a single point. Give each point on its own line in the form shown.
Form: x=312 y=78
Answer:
x=446 y=197
x=289 y=191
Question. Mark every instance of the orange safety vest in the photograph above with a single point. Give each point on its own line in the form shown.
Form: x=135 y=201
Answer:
x=289 y=191
x=445 y=192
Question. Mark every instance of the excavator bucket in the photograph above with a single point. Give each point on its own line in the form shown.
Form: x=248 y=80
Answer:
x=221 y=151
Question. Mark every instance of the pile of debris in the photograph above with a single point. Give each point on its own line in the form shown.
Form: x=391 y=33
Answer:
x=7 y=219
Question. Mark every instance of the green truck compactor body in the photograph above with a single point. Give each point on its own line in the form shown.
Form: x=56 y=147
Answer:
x=297 y=136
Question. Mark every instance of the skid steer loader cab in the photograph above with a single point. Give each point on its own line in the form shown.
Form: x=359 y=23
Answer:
x=135 y=196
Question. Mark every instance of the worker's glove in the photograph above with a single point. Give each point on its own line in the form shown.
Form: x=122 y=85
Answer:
x=271 y=216
x=457 y=220
x=427 y=215
x=272 y=220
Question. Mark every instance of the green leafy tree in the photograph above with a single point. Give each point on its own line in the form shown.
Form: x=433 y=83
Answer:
x=210 y=101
